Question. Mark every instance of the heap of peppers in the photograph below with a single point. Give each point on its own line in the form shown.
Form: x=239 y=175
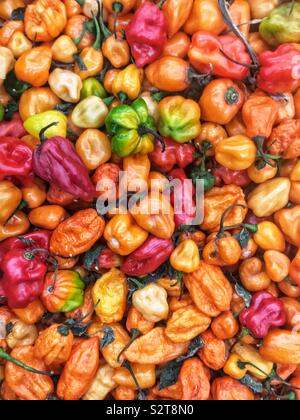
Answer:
x=149 y=200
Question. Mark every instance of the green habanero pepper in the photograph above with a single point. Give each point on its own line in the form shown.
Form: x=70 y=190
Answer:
x=179 y=118
x=132 y=129
x=282 y=25
x=92 y=87
x=13 y=86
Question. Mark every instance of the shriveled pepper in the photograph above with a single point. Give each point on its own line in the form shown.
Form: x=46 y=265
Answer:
x=281 y=26
x=77 y=234
x=131 y=128
x=110 y=292
x=175 y=153
x=23 y=276
x=148 y=257
x=284 y=140
x=209 y=53
x=57 y=162
x=279 y=71
x=265 y=312
x=79 y=371
x=147 y=33
x=127 y=83
x=62 y=291
x=179 y=118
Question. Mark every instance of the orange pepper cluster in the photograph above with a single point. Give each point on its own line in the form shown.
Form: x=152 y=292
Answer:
x=144 y=304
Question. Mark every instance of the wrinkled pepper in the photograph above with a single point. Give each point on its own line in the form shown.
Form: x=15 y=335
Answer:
x=147 y=33
x=57 y=162
x=15 y=158
x=265 y=312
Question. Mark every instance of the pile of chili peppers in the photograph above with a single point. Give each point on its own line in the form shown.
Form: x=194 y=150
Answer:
x=121 y=302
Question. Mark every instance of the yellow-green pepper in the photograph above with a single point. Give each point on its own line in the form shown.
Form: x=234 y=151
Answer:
x=33 y=125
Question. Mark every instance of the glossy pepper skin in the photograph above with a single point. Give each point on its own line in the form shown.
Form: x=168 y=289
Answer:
x=57 y=162
x=15 y=158
x=147 y=34
x=265 y=312
x=282 y=25
x=181 y=155
x=129 y=127
x=280 y=70
x=176 y=14
x=37 y=239
x=65 y=294
x=23 y=276
x=148 y=257
x=179 y=118
x=205 y=55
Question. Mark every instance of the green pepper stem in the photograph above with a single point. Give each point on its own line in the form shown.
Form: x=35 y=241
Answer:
x=135 y=335
x=221 y=233
x=122 y=97
x=97 y=44
x=160 y=4
x=117 y=8
x=292 y=7
x=90 y=312
x=262 y=156
x=105 y=31
x=43 y=130
x=17 y=362
x=232 y=96
x=127 y=365
x=108 y=101
x=142 y=130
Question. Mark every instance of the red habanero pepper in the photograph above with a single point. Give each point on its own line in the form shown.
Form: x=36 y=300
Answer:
x=57 y=162
x=280 y=69
x=147 y=34
x=148 y=257
x=228 y=176
x=184 y=193
x=209 y=52
x=106 y=260
x=23 y=277
x=15 y=158
x=13 y=128
x=175 y=154
x=28 y=242
x=265 y=312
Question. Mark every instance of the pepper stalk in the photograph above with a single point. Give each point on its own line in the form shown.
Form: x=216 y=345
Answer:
x=22 y=365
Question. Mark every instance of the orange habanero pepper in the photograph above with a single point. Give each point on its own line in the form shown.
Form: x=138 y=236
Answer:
x=205 y=16
x=176 y=13
x=33 y=66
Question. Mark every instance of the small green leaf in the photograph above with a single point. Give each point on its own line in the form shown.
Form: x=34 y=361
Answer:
x=108 y=338
x=244 y=294
x=91 y=257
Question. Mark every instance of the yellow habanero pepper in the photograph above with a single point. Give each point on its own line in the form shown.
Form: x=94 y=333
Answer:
x=269 y=197
x=123 y=235
x=36 y=100
x=7 y=63
x=94 y=148
x=93 y=61
x=33 y=125
x=66 y=85
x=110 y=294
x=236 y=153
x=127 y=83
x=269 y=237
x=245 y=358
x=33 y=66
x=19 y=44
x=63 y=49
x=90 y=113
x=185 y=257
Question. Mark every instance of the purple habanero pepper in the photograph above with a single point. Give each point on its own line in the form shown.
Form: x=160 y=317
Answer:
x=266 y=311
x=57 y=162
x=148 y=257
x=147 y=34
